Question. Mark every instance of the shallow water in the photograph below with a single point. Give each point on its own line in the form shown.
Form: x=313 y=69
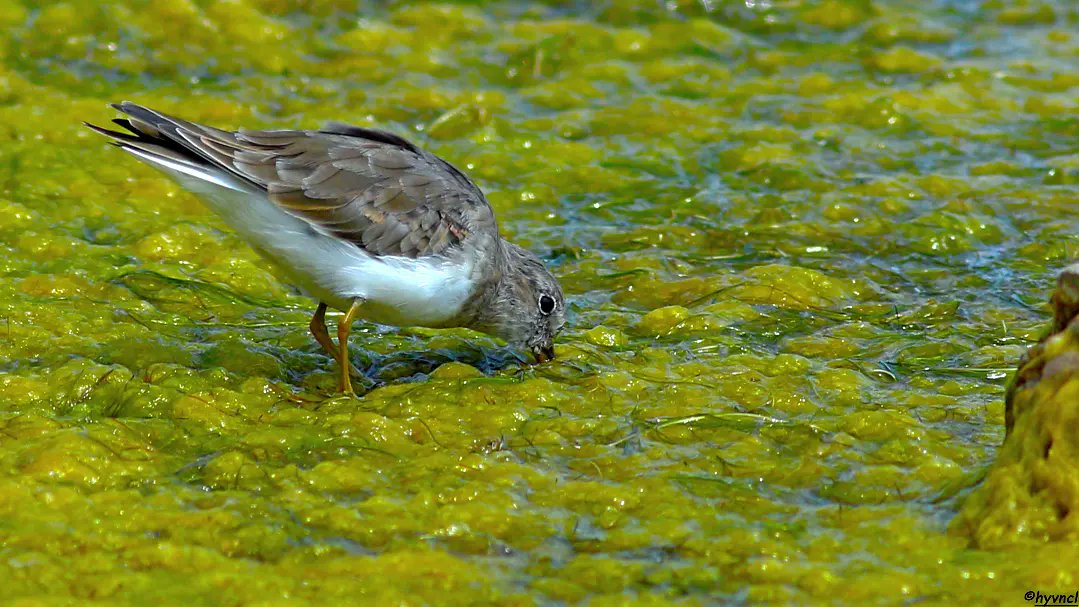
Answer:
x=804 y=245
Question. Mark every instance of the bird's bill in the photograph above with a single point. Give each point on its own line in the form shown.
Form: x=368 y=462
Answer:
x=543 y=353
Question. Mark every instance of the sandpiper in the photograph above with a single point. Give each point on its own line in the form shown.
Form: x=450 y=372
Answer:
x=362 y=221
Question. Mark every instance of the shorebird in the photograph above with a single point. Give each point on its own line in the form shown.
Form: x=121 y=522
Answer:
x=362 y=221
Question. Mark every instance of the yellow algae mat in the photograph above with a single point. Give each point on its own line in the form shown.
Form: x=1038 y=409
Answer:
x=804 y=245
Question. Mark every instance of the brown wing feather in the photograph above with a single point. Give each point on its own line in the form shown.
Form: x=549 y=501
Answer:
x=368 y=187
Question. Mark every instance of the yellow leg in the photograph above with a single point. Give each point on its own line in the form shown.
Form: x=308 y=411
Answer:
x=344 y=327
x=322 y=336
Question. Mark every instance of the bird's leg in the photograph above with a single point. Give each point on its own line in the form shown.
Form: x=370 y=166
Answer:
x=321 y=333
x=322 y=336
x=344 y=327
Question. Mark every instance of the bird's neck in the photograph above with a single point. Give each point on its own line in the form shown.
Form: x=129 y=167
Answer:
x=493 y=282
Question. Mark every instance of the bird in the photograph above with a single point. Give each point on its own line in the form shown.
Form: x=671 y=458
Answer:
x=362 y=221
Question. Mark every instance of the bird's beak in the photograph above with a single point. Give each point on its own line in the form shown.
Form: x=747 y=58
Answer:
x=543 y=353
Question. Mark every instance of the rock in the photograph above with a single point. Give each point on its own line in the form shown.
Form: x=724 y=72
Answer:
x=1032 y=490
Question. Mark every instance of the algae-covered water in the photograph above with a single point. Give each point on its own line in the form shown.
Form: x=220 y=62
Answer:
x=804 y=244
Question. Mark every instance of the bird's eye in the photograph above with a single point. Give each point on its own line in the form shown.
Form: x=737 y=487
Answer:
x=546 y=304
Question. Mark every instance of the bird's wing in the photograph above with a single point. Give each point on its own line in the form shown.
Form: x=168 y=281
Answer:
x=368 y=187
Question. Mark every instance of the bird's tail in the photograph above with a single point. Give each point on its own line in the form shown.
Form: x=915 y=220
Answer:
x=166 y=143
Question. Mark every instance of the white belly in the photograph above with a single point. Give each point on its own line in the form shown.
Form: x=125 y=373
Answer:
x=396 y=290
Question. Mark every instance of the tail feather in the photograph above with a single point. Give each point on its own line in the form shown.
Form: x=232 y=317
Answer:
x=169 y=144
x=154 y=146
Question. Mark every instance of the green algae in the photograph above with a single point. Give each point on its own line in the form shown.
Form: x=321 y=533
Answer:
x=801 y=242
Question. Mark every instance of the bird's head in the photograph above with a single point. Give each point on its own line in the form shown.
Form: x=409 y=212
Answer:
x=526 y=308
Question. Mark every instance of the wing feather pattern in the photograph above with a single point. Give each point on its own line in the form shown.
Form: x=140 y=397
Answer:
x=368 y=187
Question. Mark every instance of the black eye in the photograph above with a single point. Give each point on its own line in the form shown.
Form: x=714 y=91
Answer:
x=546 y=304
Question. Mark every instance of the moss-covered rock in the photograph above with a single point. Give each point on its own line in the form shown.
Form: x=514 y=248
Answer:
x=1032 y=491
